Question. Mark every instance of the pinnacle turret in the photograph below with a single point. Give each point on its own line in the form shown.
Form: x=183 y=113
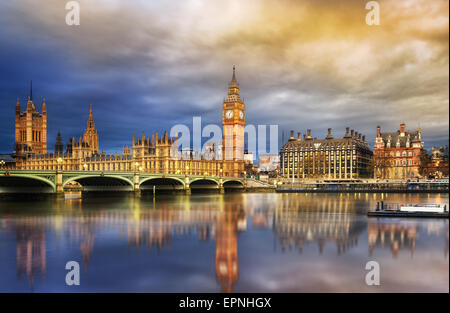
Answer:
x=233 y=87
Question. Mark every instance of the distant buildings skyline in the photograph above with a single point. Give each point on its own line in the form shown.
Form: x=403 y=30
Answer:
x=310 y=64
x=282 y=137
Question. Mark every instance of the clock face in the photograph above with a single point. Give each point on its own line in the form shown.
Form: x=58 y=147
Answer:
x=229 y=114
x=241 y=114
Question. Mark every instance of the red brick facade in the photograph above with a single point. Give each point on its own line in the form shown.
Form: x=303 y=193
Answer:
x=398 y=155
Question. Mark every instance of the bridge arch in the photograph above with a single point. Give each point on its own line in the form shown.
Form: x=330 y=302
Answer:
x=203 y=184
x=203 y=179
x=85 y=178
x=233 y=183
x=16 y=182
x=162 y=179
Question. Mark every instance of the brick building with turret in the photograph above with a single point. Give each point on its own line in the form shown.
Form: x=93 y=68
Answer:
x=398 y=155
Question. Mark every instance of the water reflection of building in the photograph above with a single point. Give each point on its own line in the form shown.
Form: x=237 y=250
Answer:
x=87 y=245
x=322 y=220
x=31 y=254
x=394 y=235
x=140 y=228
x=227 y=266
x=402 y=235
x=435 y=229
x=446 y=242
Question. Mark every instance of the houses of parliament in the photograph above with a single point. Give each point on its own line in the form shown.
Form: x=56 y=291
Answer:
x=158 y=154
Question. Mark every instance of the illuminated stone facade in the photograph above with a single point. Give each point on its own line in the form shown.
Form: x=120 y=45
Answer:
x=156 y=154
x=233 y=119
x=90 y=135
x=31 y=129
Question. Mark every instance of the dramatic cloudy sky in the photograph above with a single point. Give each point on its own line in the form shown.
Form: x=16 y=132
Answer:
x=147 y=65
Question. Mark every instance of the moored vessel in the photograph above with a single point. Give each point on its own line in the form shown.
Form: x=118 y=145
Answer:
x=409 y=210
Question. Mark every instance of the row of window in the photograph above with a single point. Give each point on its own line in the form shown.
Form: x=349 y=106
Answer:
x=306 y=159
x=35 y=135
x=317 y=152
x=402 y=163
x=398 y=154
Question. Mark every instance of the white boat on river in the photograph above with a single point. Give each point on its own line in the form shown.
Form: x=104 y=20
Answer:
x=409 y=210
x=435 y=208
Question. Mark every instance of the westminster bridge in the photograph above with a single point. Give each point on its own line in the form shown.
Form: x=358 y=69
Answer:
x=47 y=181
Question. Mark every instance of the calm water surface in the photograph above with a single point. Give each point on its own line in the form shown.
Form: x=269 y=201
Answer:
x=213 y=243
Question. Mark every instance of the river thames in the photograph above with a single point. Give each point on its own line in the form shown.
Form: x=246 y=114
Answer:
x=237 y=242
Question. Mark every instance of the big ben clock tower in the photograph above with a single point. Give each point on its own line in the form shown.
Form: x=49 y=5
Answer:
x=233 y=120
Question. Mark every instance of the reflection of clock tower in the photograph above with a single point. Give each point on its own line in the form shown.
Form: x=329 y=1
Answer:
x=227 y=265
x=233 y=130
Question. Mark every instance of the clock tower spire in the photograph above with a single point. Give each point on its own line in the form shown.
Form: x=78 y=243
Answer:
x=233 y=120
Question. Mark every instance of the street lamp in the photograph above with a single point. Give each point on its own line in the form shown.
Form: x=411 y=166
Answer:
x=2 y=163
x=85 y=166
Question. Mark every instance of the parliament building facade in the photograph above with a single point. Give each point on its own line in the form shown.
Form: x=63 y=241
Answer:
x=158 y=154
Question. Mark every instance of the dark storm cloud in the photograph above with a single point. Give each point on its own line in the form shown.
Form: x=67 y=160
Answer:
x=146 y=66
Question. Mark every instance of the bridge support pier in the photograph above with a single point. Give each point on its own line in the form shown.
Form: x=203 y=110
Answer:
x=187 y=188
x=59 y=185
x=136 y=189
x=221 y=189
x=137 y=192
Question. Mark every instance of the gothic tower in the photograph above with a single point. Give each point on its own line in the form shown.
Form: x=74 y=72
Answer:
x=233 y=120
x=31 y=128
x=90 y=134
x=59 y=146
